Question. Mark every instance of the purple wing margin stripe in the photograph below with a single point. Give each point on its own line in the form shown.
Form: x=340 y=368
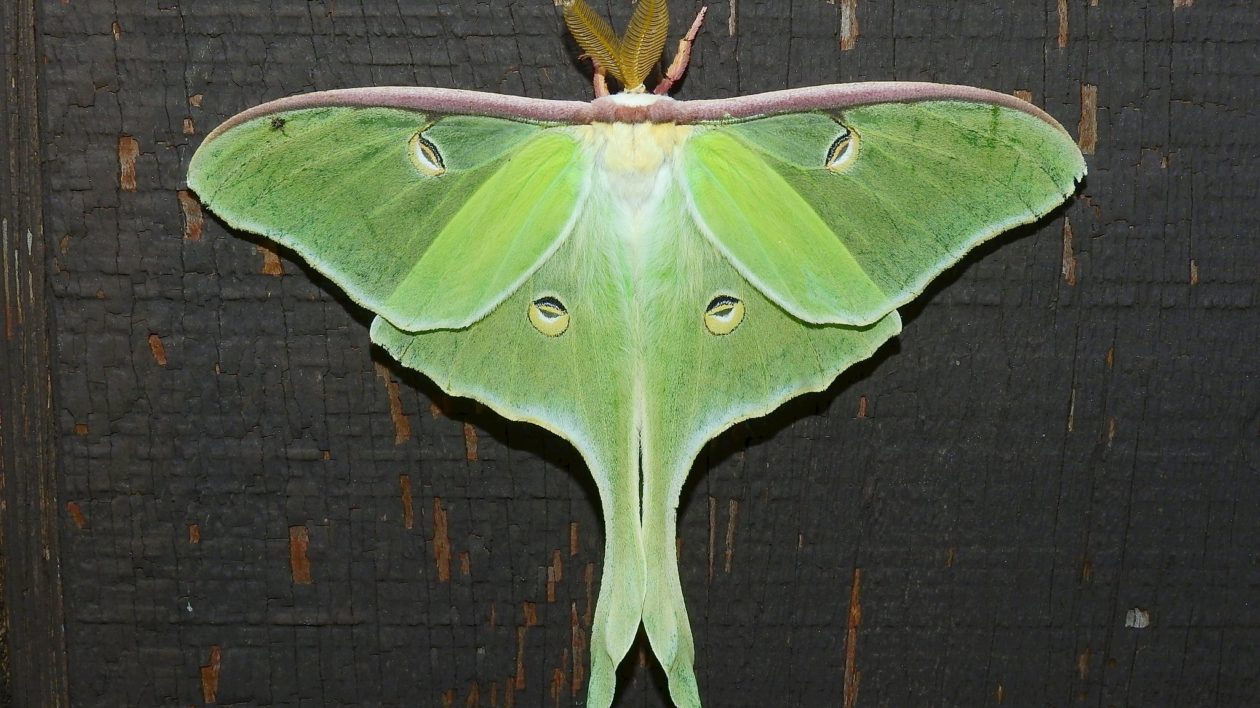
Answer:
x=841 y=96
x=421 y=99
x=663 y=110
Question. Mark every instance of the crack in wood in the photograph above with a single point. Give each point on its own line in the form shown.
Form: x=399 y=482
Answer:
x=299 y=562
x=577 y=645
x=441 y=542
x=408 y=509
x=272 y=265
x=128 y=151
x=1087 y=129
x=157 y=349
x=190 y=210
x=732 y=513
x=530 y=613
x=1069 y=266
x=76 y=515
x=712 y=535
x=470 y=443
x=853 y=677
x=555 y=573
x=210 y=676
x=848 y=24
x=402 y=425
x=1063 y=24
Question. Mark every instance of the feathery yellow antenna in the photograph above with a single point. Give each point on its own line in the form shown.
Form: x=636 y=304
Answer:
x=628 y=59
x=644 y=42
x=595 y=36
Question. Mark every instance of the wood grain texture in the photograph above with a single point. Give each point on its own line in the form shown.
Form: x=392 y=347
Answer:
x=30 y=552
x=1032 y=460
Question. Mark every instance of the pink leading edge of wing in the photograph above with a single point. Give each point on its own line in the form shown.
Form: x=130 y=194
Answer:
x=841 y=96
x=663 y=110
x=421 y=99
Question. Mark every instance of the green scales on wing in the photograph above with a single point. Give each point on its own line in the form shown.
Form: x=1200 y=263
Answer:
x=423 y=237
x=635 y=288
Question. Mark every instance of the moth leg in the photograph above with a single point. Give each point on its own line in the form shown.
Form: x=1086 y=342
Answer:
x=682 y=57
x=599 y=81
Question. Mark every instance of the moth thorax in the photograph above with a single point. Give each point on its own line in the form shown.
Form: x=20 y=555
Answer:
x=633 y=158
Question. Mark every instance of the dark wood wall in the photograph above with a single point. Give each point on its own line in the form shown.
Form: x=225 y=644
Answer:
x=1046 y=491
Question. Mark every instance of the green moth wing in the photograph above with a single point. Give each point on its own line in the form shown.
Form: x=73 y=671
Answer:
x=429 y=220
x=636 y=274
x=652 y=360
x=841 y=216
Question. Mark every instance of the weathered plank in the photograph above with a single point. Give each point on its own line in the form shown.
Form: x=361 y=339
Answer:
x=1066 y=431
x=30 y=552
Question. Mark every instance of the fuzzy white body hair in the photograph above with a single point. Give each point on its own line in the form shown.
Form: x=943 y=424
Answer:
x=637 y=234
x=637 y=193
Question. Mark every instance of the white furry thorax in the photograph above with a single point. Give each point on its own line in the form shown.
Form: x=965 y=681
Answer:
x=633 y=167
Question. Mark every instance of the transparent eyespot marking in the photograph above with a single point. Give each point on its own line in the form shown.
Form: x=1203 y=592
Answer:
x=843 y=150
x=723 y=314
x=549 y=316
x=425 y=155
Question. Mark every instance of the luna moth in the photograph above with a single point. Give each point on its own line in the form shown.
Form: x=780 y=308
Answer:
x=635 y=274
